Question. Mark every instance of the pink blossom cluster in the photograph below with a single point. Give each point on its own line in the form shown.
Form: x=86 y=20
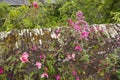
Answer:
x=79 y=48
x=24 y=59
x=80 y=25
x=38 y=65
x=71 y=57
x=44 y=75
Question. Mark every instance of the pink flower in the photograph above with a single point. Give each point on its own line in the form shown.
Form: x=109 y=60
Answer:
x=69 y=57
x=1 y=70
x=79 y=22
x=44 y=75
x=25 y=54
x=46 y=69
x=78 y=48
x=70 y=22
x=84 y=34
x=80 y=13
x=86 y=26
x=42 y=56
x=35 y=4
x=74 y=73
x=57 y=77
x=92 y=29
x=34 y=48
x=24 y=57
x=77 y=27
x=77 y=78
x=38 y=64
x=79 y=16
x=73 y=57
x=57 y=32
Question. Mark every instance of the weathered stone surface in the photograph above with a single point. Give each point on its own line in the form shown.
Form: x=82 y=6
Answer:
x=111 y=30
x=27 y=37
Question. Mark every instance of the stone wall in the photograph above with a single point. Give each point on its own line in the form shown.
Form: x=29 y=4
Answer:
x=24 y=39
x=111 y=30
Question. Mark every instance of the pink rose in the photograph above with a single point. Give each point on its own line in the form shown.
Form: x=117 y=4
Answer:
x=1 y=70
x=78 y=48
x=57 y=77
x=24 y=57
x=38 y=64
x=35 y=4
x=44 y=75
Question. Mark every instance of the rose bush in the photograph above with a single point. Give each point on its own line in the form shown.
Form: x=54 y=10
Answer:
x=79 y=52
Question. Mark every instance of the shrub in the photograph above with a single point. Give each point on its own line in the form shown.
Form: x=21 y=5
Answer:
x=77 y=52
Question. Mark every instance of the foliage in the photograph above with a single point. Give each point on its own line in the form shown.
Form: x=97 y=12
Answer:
x=116 y=17
x=76 y=52
x=23 y=17
x=4 y=10
x=118 y=67
x=118 y=74
x=56 y=14
x=26 y=17
x=96 y=11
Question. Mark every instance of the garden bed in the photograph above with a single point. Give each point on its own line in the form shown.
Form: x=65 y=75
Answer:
x=61 y=53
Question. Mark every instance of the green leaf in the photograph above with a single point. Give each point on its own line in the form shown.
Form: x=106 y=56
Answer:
x=20 y=65
x=85 y=57
x=9 y=58
x=3 y=77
